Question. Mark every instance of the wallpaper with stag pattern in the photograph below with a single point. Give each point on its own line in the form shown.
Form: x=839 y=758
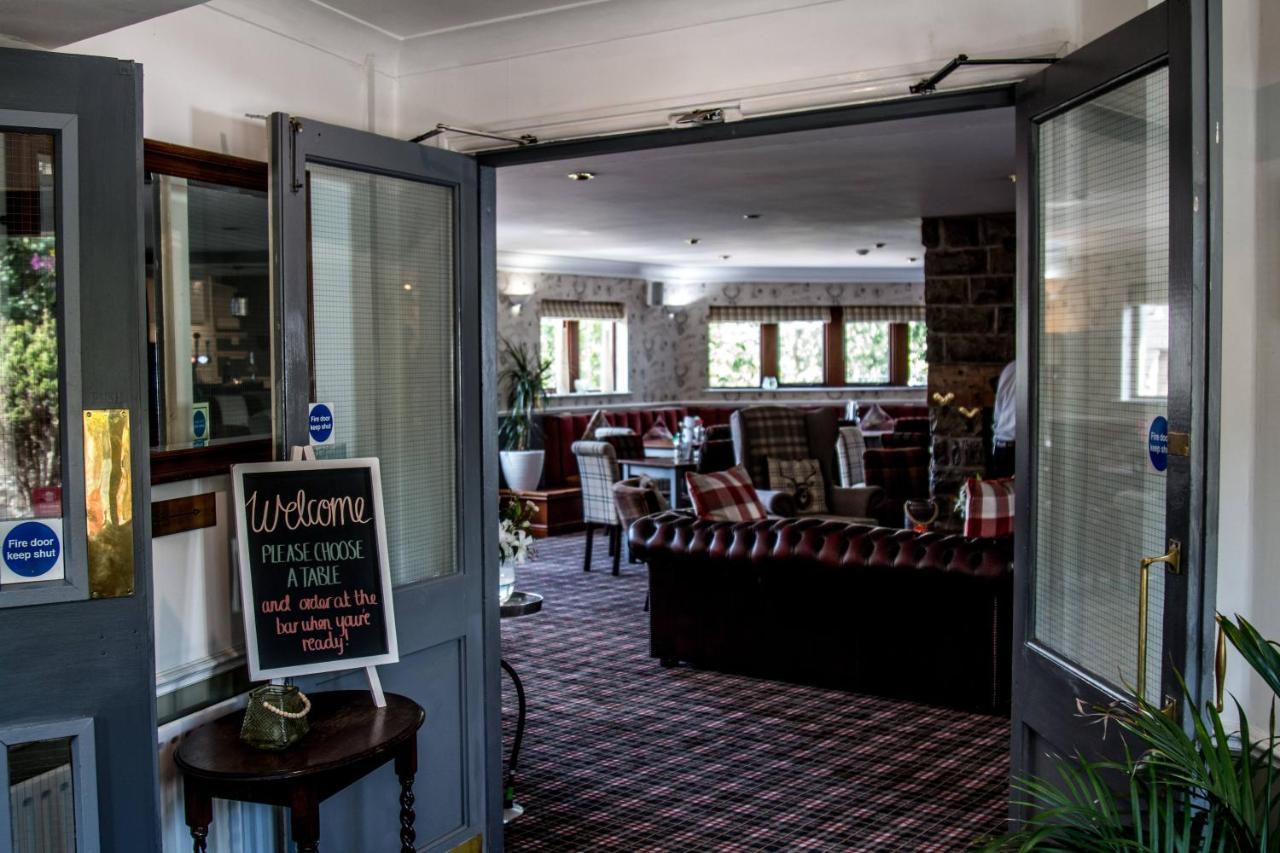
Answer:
x=667 y=345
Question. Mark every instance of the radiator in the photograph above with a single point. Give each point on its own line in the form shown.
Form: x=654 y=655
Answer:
x=43 y=812
x=237 y=827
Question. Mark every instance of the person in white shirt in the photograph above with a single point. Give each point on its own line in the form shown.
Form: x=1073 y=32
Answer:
x=1004 y=426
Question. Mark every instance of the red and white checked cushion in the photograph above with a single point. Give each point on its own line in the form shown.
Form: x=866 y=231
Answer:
x=988 y=508
x=725 y=496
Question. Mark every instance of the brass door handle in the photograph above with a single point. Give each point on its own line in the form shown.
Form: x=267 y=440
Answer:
x=1173 y=560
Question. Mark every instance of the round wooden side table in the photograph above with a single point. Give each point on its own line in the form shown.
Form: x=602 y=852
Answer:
x=349 y=738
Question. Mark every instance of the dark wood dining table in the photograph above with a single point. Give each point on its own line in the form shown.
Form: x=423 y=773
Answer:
x=664 y=469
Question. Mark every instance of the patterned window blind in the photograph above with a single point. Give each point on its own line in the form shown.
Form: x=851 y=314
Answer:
x=769 y=313
x=570 y=309
x=383 y=315
x=1103 y=173
x=883 y=313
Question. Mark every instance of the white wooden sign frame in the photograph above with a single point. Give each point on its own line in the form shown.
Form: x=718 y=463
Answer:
x=368 y=662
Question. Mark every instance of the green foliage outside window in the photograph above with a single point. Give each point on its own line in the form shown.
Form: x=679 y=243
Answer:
x=733 y=355
x=800 y=353
x=917 y=366
x=549 y=352
x=866 y=353
x=29 y=361
x=592 y=344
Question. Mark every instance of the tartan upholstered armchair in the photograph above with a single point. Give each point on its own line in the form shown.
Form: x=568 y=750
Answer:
x=761 y=433
x=598 y=468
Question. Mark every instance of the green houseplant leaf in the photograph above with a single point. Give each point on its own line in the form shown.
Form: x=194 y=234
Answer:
x=524 y=377
x=1199 y=789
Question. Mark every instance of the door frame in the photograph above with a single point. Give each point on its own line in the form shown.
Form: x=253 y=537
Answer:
x=294 y=143
x=1203 y=63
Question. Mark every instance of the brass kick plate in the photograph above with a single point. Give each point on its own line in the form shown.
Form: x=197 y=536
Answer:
x=1179 y=444
x=475 y=844
x=108 y=502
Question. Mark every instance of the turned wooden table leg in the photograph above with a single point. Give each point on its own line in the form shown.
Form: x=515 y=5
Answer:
x=199 y=814
x=304 y=820
x=406 y=769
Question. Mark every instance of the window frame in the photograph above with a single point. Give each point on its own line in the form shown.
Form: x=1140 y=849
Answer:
x=180 y=161
x=572 y=353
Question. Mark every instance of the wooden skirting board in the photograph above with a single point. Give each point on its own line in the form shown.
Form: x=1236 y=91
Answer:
x=558 y=511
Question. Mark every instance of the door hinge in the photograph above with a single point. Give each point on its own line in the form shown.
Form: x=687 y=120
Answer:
x=1179 y=444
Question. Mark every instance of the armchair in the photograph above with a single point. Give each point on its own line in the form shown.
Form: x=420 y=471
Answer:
x=764 y=432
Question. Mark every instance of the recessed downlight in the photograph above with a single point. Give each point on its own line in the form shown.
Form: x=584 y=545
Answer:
x=582 y=176
x=725 y=257
x=693 y=241
x=864 y=251
x=879 y=245
x=750 y=216
x=913 y=259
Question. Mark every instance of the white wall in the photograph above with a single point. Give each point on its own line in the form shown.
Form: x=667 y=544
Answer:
x=1249 y=536
x=205 y=67
x=619 y=66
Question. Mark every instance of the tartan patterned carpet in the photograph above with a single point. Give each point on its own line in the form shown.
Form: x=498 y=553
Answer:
x=620 y=754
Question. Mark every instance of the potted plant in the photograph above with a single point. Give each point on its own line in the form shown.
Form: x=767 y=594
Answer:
x=1207 y=789
x=525 y=379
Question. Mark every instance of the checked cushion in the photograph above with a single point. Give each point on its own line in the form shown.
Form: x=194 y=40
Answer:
x=725 y=496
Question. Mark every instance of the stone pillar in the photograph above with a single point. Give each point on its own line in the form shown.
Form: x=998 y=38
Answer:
x=969 y=307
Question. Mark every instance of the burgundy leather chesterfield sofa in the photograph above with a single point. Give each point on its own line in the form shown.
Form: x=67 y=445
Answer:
x=925 y=617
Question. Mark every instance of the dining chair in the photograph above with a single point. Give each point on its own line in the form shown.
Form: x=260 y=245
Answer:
x=598 y=470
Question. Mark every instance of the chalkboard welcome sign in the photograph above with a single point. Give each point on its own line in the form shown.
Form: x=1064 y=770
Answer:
x=314 y=578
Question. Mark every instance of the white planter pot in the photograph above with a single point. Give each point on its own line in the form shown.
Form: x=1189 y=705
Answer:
x=522 y=468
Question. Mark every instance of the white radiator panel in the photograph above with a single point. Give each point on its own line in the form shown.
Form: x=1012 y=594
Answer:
x=44 y=812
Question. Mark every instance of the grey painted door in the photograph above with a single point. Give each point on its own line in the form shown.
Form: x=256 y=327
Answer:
x=77 y=672
x=385 y=313
x=1113 y=444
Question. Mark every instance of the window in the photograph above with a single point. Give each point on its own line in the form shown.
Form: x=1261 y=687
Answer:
x=209 y=311
x=917 y=355
x=801 y=358
x=586 y=345
x=866 y=353
x=734 y=355
x=1145 y=348
x=816 y=346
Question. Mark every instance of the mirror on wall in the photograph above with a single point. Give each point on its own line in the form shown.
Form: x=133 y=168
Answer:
x=209 y=311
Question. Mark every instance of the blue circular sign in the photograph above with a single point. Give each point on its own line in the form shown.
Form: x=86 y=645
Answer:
x=31 y=549
x=1158 y=443
x=199 y=423
x=320 y=424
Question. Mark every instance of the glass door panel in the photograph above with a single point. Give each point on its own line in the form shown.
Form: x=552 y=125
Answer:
x=1102 y=378
x=383 y=315
x=30 y=387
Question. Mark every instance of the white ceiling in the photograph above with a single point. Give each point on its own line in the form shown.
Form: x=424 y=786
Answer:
x=822 y=196
x=54 y=23
x=406 y=19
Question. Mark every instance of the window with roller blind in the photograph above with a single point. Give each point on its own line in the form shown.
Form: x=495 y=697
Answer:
x=585 y=344
x=816 y=346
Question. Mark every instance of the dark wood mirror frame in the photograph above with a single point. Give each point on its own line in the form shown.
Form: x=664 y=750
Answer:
x=179 y=161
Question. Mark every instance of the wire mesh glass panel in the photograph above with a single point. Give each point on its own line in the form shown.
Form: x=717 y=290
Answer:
x=382 y=261
x=1103 y=173
x=42 y=806
x=30 y=421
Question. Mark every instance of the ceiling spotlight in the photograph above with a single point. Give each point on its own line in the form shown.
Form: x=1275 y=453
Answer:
x=581 y=176
x=750 y=216
x=693 y=241
x=913 y=259
x=864 y=251
x=879 y=245
x=725 y=257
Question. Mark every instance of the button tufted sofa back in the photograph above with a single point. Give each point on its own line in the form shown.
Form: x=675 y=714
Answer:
x=892 y=612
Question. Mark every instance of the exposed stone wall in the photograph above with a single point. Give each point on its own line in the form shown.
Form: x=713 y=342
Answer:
x=969 y=304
